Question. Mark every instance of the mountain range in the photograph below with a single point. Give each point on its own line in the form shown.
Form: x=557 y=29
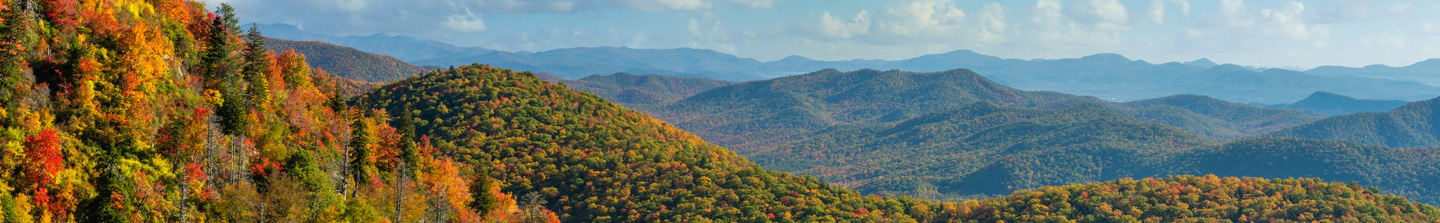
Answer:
x=347 y=62
x=1427 y=71
x=226 y=131
x=1106 y=76
x=1336 y=104
x=1416 y=124
x=955 y=135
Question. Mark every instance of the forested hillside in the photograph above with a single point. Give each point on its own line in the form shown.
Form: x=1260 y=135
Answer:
x=757 y=115
x=1213 y=117
x=1416 y=124
x=647 y=90
x=983 y=150
x=1335 y=104
x=1201 y=199
x=157 y=111
x=591 y=160
x=347 y=62
x=1413 y=172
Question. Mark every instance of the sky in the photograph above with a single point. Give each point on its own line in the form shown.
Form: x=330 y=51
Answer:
x=1269 y=33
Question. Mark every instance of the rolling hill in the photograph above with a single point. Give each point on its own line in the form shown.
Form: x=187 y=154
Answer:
x=409 y=49
x=1335 y=104
x=1213 y=117
x=592 y=160
x=1412 y=125
x=1200 y=199
x=347 y=62
x=585 y=61
x=983 y=150
x=225 y=138
x=641 y=90
x=1423 y=71
x=756 y=115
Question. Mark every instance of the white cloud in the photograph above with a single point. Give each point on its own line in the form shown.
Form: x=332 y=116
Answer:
x=755 y=4
x=1102 y=14
x=922 y=17
x=466 y=23
x=1287 y=22
x=694 y=28
x=1157 y=11
x=1184 y=6
x=830 y=27
x=687 y=5
x=1236 y=13
x=992 y=23
x=664 y=5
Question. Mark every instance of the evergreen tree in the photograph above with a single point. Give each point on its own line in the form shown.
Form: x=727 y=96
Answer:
x=259 y=88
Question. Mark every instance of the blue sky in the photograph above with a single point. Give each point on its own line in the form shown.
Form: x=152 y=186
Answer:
x=1274 y=33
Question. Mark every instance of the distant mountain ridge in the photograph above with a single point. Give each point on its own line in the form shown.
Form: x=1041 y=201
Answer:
x=347 y=62
x=405 y=48
x=1416 y=124
x=635 y=91
x=1111 y=77
x=1213 y=117
x=750 y=116
x=1427 y=71
x=1336 y=104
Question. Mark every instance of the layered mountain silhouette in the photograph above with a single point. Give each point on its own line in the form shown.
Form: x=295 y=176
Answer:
x=1427 y=71
x=1416 y=124
x=955 y=135
x=1335 y=104
x=405 y=48
x=347 y=62
x=1110 y=77
x=641 y=90
x=1213 y=117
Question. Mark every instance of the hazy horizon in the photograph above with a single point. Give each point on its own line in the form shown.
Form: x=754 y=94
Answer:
x=1281 y=34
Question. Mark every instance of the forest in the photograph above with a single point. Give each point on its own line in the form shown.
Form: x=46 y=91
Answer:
x=165 y=111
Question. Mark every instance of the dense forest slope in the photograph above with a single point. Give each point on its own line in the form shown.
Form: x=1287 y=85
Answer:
x=591 y=160
x=755 y=115
x=1201 y=199
x=157 y=111
x=647 y=90
x=761 y=115
x=347 y=62
x=983 y=149
x=1213 y=117
x=1416 y=124
x=1335 y=104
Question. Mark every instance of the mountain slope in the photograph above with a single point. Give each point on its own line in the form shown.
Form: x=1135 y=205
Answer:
x=405 y=48
x=642 y=90
x=1200 y=199
x=1423 y=71
x=347 y=62
x=1335 y=104
x=1413 y=125
x=756 y=115
x=1212 y=117
x=581 y=62
x=161 y=113
x=983 y=149
x=1408 y=172
x=595 y=161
